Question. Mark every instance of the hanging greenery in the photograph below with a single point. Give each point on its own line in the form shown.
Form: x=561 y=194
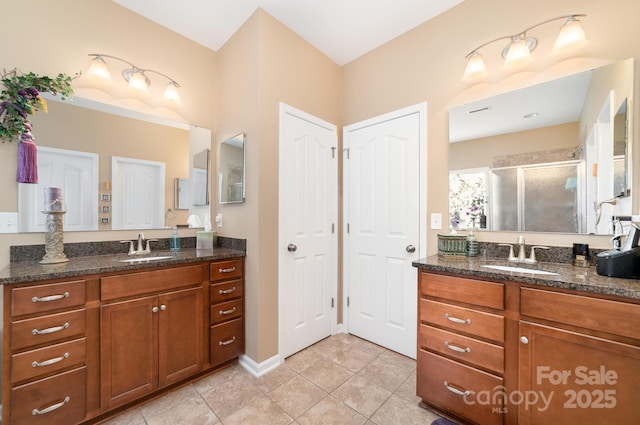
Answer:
x=21 y=98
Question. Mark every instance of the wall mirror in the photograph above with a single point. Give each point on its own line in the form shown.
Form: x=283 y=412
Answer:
x=231 y=188
x=542 y=158
x=200 y=178
x=109 y=132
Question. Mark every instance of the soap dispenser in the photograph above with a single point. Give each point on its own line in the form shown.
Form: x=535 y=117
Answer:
x=174 y=241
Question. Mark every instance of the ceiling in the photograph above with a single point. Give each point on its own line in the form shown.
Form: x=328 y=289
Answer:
x=341 y=29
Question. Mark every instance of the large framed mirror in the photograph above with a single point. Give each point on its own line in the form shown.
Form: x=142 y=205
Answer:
x=545 y=158
x=82 y=127
x=231 y=182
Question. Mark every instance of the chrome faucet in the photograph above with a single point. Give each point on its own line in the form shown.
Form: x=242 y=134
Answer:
x=142 y=247
x=522 y=256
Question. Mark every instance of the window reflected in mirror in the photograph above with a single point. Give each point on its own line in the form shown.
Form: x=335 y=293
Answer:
x=231 y=187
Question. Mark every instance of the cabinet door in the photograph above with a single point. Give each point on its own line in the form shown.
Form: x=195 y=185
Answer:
x=572 y=378
x=129 y=350
x=181 y=333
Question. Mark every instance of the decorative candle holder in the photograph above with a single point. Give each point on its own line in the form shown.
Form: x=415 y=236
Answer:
x=54 y=246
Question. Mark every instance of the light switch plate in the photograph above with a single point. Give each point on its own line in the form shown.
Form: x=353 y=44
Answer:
x=9 y=222
x=436 y=221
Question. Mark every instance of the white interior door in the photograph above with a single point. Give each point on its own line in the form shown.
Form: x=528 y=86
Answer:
x=308 y=226
x=382 y=213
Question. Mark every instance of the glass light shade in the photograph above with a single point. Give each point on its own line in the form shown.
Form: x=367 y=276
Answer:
x=571 y=36
x=99 y=71
x=171 y=93
x=518 y=55
x=476 y=68
x=138 y=83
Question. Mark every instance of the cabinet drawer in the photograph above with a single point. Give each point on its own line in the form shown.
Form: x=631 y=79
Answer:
x=58 y=400
x=481 y=354
x=44 y=298
x=466 y=320
x=614 y=317
x=476 y=292
x=226 y=291
x=226 y=311
x=47 y=360
x=128 y=285
x=40 y=330
x=227 y=341
x=222 y=270
x=443 y=382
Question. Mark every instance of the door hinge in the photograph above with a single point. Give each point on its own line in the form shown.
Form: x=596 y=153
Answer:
x=333 y=152
x=347 y=301
x=333 y=228
x=348 y=227
x=346 y=150
x=331 y=302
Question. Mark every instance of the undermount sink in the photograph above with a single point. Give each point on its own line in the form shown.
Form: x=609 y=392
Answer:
x=146 y=259
x=519 y=270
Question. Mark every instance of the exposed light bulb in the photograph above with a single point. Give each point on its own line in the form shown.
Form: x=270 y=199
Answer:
x=99 y=71
x=476 y=68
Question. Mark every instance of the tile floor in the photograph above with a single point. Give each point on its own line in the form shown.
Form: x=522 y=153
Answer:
x=340 y=380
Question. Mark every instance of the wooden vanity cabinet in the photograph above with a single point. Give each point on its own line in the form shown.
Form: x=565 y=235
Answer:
x=460 y=346
x=152 y=340
x=45 y=353
x=582 y=354
x=226 y=312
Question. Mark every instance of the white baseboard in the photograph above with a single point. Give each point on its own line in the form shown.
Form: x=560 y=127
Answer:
x=259 y=369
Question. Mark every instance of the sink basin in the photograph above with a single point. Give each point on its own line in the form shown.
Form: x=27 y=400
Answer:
x=146 y=259
x=519 y=270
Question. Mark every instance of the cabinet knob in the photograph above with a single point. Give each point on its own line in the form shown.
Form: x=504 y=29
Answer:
x=154 y=310
x=163 y=307
x=524 y=340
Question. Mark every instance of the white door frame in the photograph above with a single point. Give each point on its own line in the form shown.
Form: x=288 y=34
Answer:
x=284 y=110
x=421 y=109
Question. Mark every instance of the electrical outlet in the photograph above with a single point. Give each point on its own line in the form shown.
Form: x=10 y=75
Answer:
x=9 y=222
x=436 y=221
x=218 y=220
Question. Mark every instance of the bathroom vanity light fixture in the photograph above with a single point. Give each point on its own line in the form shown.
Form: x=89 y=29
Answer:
x=518 y=52
x=137 y=77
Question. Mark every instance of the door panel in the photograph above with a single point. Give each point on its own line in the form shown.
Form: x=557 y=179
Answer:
x=308 y=219
x=382 y=214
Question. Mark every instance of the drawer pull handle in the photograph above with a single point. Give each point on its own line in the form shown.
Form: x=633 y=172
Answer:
x=456 y=320
x=50 y=361
x=456 y=348
x=227 y=342
x=456 y=391
x=229 y=270
x=225 y=312
x=50 y=330
x=50 y=298
x=51 y=408
x=226 y=291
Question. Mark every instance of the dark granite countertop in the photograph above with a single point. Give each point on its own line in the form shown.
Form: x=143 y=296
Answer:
x=33 y=271
x=568 y=276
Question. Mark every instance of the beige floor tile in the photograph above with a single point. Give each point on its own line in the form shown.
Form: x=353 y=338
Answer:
x=261 y=411
x=407 y=389
x=297 y=395
x=231 y=395
x=327 y=375
x=130 y=417
x=361 y=395
x=191 y=412
x=399 y=360
x=209 y=382
x=351 y=358
x=397 y=410
x=331 y=412
x=386 y=375
x=168 y=401
x=304 y=359
x=366 y=346
x=275 y=377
